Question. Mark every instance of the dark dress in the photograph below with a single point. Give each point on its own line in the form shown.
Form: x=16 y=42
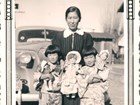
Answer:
x=72 y=42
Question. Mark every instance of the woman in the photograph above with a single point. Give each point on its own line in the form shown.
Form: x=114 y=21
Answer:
x=72 y=39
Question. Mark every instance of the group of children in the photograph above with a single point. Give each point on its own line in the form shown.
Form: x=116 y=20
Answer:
x=69 y=77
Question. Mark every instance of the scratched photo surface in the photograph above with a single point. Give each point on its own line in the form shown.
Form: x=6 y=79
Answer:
x=35 y=19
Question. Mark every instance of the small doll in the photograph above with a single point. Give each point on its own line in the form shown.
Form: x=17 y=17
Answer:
x=48 y=68
x=49 y=82
x=69 y=81
x=101 y=59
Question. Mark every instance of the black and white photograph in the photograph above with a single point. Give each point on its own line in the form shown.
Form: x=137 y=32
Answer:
x=49 y=33
x=69 y=52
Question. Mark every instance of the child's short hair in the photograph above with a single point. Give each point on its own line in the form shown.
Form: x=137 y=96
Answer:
x=52 y=49
x=89 y=51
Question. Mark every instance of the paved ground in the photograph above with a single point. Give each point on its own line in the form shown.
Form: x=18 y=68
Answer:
x=116 y=88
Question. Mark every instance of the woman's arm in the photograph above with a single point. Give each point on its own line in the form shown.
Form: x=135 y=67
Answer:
x=56 y=40
x=88 y=40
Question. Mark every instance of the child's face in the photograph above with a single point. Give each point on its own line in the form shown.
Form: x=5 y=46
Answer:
x=104 y=56
x=89 y=60
x=53 y=58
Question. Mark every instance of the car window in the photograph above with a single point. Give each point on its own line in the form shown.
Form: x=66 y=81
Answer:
x=25 y=35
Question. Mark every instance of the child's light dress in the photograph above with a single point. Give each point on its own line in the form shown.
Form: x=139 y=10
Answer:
x=53 y=97
x=91 y=94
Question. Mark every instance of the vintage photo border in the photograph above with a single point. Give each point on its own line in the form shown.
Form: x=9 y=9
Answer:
x=8 y=18
x=9 y=64
x=130 y=26
x=137 y=53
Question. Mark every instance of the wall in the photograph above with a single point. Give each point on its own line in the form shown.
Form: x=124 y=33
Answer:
x=52 y=12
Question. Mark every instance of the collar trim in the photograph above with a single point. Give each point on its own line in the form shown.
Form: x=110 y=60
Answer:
x=68 y=32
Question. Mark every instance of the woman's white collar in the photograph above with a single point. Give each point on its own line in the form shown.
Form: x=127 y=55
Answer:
x=68 y=32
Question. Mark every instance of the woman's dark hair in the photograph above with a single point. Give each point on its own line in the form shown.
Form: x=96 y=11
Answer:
x=52 y=49
x=89 y=51
x=73 y=9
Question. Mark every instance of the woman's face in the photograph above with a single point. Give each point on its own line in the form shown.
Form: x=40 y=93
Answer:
x=89 y=60
x=53 y=58
x=72 y=20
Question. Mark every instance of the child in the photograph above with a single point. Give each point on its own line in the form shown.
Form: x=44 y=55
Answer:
x=90 y=83
x=69 y=81
x=50 y=74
